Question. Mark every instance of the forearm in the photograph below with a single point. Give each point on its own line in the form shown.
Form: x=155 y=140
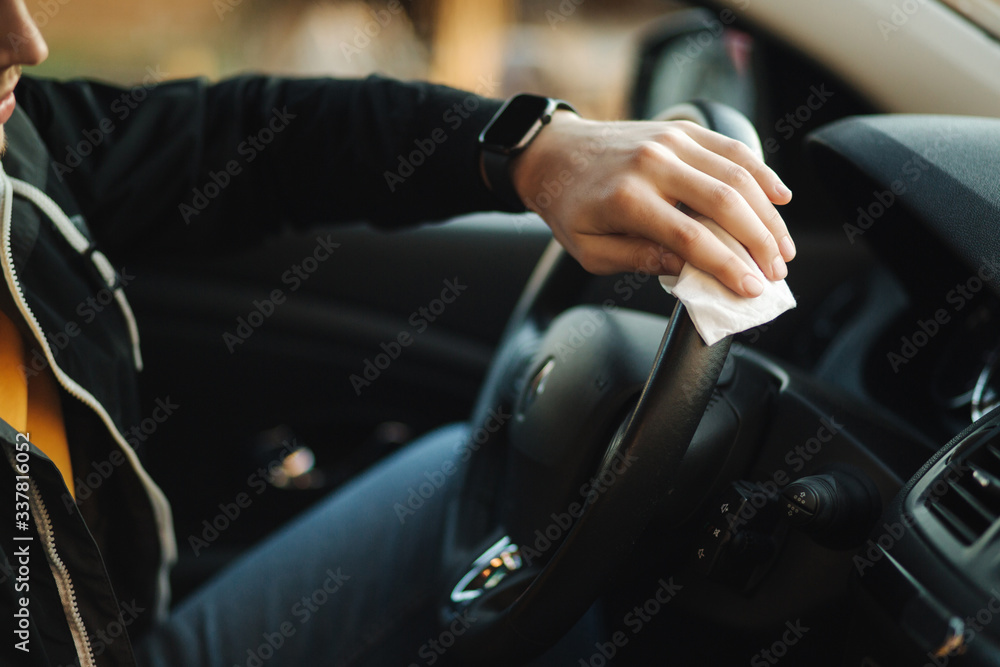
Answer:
x=187 y=164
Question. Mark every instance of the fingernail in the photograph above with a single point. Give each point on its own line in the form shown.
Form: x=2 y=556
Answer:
x=783 y=191
x=787 y=248
x=779 y=269
x=752 y=286
x=670 y=262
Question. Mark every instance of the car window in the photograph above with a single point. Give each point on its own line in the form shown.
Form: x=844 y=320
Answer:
x=581 y=51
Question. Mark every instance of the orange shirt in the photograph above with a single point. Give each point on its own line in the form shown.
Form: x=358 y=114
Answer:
x=32 y=407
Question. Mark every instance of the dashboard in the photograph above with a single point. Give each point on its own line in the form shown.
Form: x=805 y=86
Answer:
x=923 y=191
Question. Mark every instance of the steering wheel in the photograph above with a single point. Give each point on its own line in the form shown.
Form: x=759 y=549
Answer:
x=577 y=436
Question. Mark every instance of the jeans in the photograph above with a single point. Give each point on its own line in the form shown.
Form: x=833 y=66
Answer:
x=354 y=581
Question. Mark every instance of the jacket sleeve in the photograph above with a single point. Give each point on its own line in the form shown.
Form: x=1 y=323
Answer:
x=193 y=165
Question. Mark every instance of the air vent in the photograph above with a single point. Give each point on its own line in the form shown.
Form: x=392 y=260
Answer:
x=966 y=495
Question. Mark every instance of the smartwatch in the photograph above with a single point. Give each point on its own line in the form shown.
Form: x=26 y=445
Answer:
x=508 y=133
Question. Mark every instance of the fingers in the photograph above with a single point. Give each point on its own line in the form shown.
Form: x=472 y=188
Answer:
x=730 y=163
x=665 y=226
x=734 y=200
x=620 y=215
x=738 y=152
x=742 y=180
x=614 y=253
x=693 y=241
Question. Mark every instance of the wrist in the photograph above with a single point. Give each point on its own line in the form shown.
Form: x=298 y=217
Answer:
x=513 y=129
x=546 y=156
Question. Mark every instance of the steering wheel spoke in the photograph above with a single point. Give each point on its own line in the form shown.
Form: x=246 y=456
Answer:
x=600 y=421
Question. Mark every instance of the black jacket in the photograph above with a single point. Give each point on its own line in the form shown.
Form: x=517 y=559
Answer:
x=177 y=167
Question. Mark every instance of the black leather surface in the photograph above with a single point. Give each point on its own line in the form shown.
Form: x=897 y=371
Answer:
x=946 y=175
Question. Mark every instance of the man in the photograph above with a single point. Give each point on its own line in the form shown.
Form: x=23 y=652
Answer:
x=86 y=583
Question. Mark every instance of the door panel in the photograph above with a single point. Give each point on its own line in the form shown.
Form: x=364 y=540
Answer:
x=423 y=307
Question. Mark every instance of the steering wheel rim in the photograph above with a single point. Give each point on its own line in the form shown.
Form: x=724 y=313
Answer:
x=534 y=607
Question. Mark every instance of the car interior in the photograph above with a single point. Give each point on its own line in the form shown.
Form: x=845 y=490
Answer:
x=820 y=490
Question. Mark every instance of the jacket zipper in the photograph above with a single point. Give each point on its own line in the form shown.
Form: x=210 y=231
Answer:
x=161 y=508
x=64 y=584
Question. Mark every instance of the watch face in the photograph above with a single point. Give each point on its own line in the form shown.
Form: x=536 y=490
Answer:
x=514 y=122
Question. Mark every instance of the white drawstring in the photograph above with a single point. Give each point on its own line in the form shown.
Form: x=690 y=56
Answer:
x=80 y=243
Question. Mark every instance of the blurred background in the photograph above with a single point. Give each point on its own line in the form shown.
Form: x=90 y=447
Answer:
x=581 y=50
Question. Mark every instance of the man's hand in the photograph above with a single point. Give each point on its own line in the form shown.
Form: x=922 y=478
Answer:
x=616 y=189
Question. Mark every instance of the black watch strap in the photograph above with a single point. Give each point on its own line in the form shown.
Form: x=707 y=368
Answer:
x=495 y=158
x=496 y=173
